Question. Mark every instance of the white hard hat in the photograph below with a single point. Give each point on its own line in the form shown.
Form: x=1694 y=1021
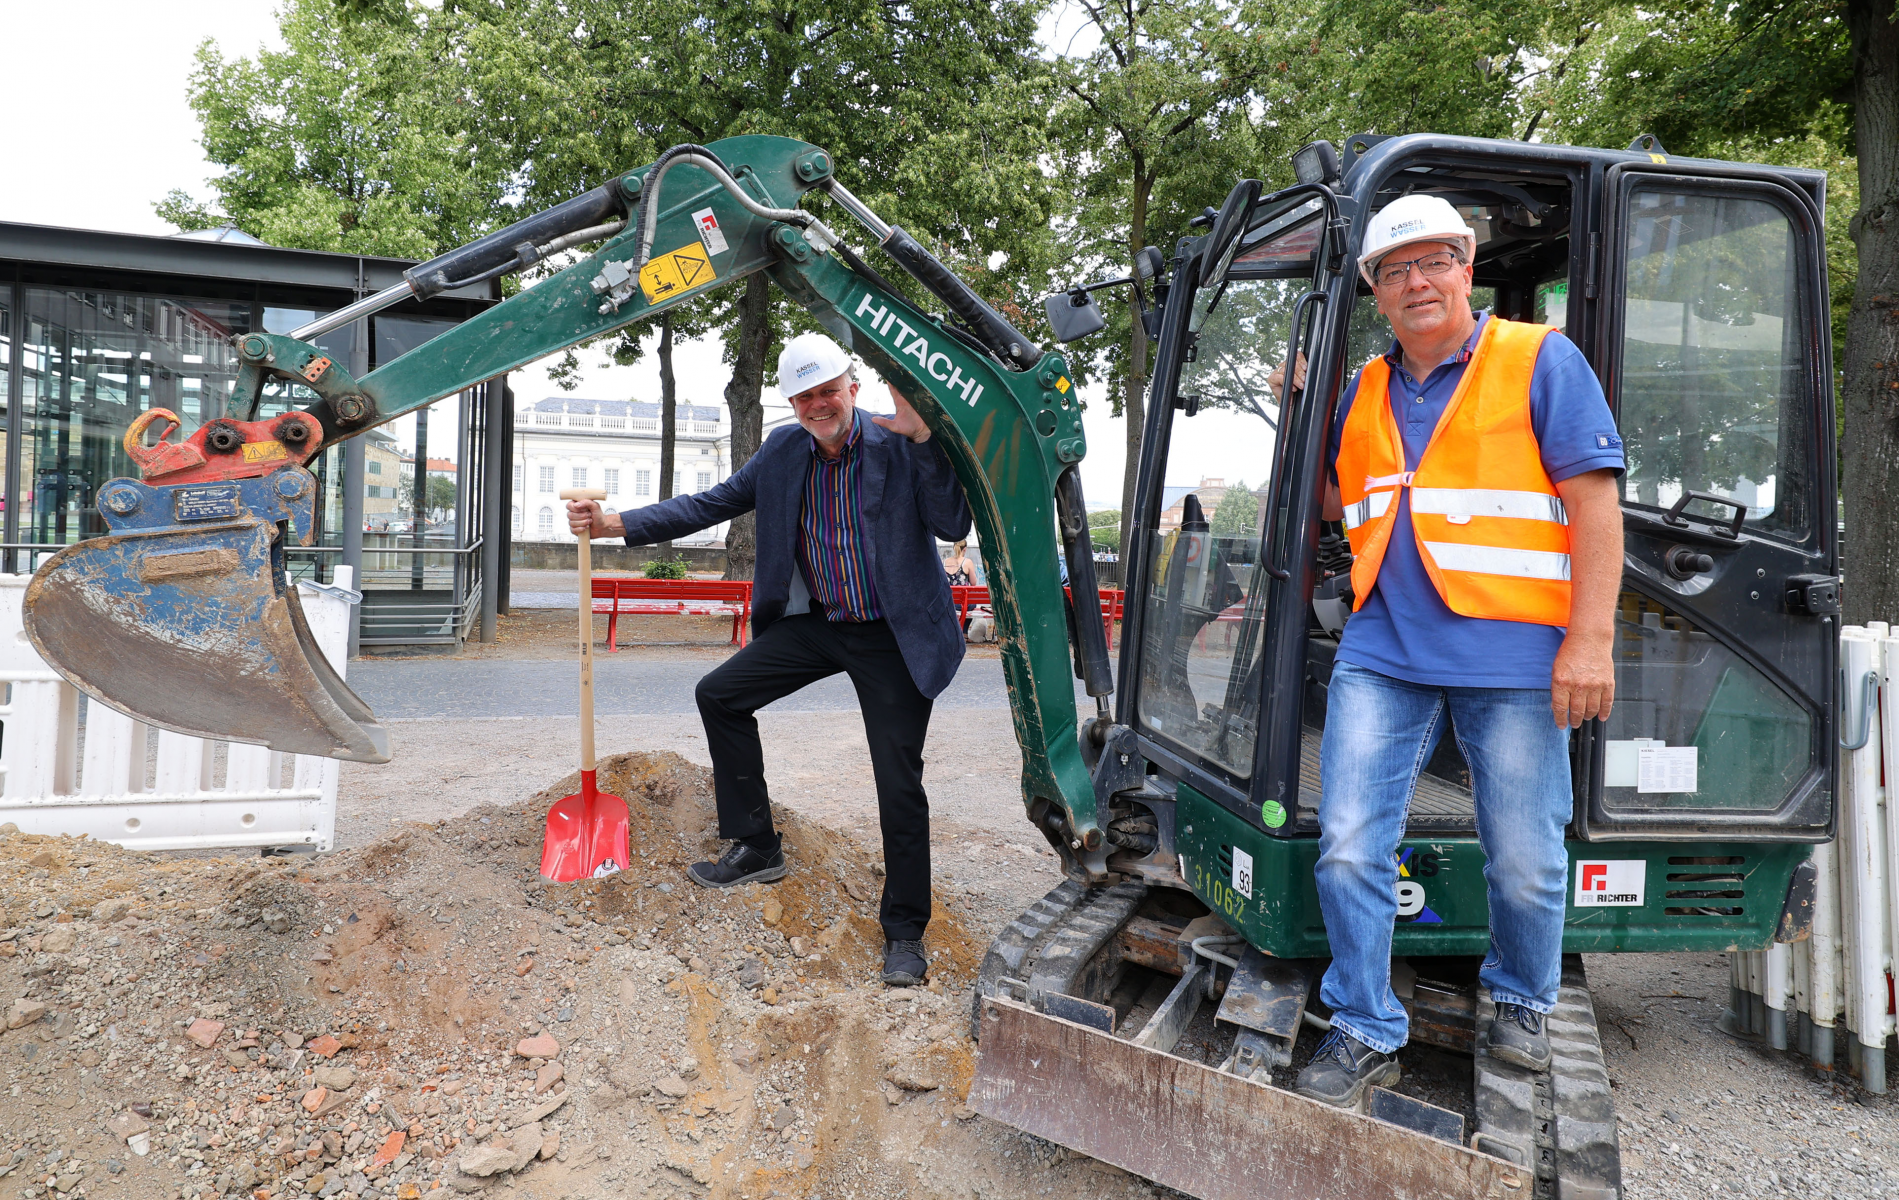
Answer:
x=1414 y=218
x=808 y=360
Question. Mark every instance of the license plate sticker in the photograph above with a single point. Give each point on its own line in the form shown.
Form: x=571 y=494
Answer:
x=212 y=503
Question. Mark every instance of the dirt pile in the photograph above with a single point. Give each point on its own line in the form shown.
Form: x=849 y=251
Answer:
x=426 y=1014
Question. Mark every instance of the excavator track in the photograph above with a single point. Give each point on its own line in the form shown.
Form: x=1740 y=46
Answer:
x=1050 y=947
x=1560 y=1121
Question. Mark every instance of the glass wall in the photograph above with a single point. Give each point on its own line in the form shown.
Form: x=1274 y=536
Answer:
x=91 y=361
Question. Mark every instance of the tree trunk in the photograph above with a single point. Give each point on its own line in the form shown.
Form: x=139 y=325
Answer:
x=743 y=398
x=668 y=417
x=1870 y=391
x=1134 y=403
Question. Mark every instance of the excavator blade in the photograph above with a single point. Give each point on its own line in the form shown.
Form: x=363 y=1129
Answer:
x=181 y=617
x=1205 y=1132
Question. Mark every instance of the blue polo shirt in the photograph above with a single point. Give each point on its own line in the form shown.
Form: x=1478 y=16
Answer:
x=1405 y=629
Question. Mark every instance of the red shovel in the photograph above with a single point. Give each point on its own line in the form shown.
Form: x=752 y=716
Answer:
x=587 y=833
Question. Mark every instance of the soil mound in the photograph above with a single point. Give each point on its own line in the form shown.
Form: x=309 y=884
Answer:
x=425 y=1013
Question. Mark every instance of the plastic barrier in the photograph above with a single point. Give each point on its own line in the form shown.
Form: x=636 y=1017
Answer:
x=68 y=766
x=1836 y=984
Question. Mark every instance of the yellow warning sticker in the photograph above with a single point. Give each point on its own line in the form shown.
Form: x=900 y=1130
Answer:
x=1062 y=385
x=667 y=275
x=264 y=451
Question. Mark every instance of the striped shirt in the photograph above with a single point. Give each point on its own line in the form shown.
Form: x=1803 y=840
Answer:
x=830 y=542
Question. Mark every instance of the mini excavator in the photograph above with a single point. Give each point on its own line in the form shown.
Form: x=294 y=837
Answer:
x=1151 y=1009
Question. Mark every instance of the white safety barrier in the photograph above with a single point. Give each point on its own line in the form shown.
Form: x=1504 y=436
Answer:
x=116 y=789
x=1842 y=975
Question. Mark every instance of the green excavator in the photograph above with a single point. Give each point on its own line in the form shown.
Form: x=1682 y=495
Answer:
x=1150 y=1010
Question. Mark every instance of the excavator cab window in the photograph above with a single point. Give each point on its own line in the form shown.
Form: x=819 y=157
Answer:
x=1203 y=620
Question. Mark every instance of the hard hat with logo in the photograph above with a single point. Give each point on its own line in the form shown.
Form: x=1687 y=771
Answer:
x=808 y=360
x=1414 y=218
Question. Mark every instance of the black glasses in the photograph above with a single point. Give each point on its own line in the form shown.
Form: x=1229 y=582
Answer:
x=1393 y=273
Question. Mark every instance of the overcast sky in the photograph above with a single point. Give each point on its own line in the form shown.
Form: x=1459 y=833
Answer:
x=108 y=133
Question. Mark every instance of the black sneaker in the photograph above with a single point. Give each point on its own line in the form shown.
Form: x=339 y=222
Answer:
x=739 y=864
x=1517 y=1037
x=1345 y=1069
x=904 y=964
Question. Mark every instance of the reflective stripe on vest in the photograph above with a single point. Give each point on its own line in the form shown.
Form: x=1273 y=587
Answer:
x=1489 y=524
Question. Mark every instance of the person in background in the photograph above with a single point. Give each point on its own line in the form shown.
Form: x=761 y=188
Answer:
x=961 y=571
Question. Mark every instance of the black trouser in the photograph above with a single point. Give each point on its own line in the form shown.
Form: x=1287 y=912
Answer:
x=800 y=650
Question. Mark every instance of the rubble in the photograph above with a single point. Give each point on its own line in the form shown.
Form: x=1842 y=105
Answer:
x=380 y=1024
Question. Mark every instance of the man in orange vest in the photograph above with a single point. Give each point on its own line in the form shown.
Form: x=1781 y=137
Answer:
x=1475 y=470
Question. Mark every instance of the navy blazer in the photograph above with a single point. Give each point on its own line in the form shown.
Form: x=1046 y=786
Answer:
x=909 y=493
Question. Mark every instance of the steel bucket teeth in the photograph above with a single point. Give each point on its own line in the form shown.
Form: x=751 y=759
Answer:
x=184 y=620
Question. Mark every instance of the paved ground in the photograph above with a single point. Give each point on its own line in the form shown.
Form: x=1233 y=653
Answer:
x=460 y=689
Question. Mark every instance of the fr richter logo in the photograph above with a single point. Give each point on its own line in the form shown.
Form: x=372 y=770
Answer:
x=1611 y=884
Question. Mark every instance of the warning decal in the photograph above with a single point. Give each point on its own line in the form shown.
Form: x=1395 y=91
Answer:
x=675 y=272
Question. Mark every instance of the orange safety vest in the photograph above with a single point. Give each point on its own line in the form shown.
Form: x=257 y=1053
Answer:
x=1489 y=524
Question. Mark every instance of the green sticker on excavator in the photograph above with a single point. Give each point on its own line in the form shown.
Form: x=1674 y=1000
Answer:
x=1273 y=813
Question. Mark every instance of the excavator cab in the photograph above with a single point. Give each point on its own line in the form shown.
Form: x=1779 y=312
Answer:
x=1697 y=291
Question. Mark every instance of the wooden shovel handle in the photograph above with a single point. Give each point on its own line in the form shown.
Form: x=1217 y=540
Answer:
x=586 y=629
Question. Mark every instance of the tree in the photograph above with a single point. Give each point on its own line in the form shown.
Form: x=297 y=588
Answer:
x=924 y=107
x=1104 y=529
x=440 y=496
x=349 y=139
x=1152 y=125
x=1237 y=515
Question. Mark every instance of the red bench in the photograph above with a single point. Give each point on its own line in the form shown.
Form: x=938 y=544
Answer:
x=619 y=596
x=1113 y=600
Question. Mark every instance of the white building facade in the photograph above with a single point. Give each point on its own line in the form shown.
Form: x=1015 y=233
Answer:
x=613 y=445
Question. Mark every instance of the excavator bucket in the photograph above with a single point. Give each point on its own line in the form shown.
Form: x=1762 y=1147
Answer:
x=181 y=617
x=1209 y=1133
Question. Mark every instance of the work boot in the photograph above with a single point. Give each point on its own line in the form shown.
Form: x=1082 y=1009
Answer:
x=1344 y=1069
x=1517 y=1037
x=904 y=964
x=740 y=864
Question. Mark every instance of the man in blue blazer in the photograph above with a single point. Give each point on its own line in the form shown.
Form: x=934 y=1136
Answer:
x=847 y=579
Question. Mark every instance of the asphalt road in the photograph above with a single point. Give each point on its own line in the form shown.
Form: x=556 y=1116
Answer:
x=452 y=689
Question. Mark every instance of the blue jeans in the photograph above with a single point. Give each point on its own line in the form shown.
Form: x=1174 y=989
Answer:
x=1379 y=733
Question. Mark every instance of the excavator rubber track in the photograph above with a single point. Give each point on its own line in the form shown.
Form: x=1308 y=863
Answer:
x=1561 y=1121
x=1051 y=1063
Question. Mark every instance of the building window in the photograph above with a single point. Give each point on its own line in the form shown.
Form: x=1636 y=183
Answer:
x=642 y=483
x=518 y=471
x=372 y=492
x=612 y=481
x=547 y=522
x=705 y=480
x=580 y=477
x=675 y=483
x=547 y=479
x=516 y=509
x=375 y=468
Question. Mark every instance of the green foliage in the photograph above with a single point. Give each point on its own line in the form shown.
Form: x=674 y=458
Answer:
x=352 y=138
x=439 y=493
x=664 y=568
x=1238 y=514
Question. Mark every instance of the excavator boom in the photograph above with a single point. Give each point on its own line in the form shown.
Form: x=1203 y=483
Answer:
x=181 y=617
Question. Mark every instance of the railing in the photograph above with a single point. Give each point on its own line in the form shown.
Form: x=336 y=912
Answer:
x=101 y=776
x=1797 y=995
x=966 y=596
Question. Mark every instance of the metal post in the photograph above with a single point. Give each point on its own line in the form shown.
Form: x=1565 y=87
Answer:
x=16 y=426
x=355 y=468
x=497 y=493
x=420 y=509
x=505 y=532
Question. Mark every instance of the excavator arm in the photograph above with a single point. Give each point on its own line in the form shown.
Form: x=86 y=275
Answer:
x=181 y=615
